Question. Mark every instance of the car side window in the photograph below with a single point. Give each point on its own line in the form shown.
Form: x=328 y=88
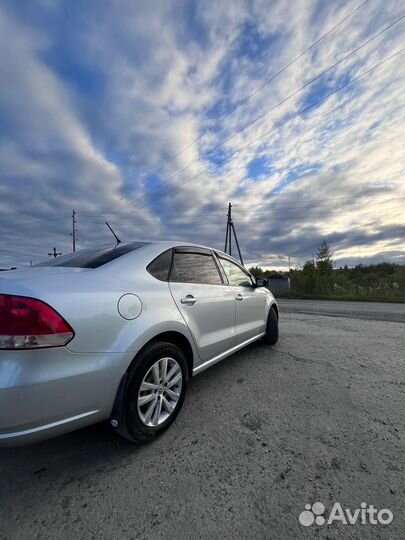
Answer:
x=159 y=268
x=236 y=276
x=195 y=268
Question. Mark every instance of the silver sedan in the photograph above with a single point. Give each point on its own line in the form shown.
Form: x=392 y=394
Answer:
x=115 y=332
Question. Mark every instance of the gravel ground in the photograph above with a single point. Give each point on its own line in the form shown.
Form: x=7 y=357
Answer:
x=318 y=417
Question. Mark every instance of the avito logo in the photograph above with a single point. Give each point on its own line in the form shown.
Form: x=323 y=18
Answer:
x=314 y=514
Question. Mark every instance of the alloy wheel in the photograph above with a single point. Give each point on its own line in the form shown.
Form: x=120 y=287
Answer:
x=159 y=392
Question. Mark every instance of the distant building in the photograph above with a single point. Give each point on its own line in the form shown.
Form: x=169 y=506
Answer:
x=279 y=282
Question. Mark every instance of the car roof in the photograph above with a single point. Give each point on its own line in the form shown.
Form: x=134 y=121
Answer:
x=163 y=244
x=167 y=244
x=153 y=248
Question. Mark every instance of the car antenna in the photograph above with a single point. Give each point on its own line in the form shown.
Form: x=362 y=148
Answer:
x=116 y=237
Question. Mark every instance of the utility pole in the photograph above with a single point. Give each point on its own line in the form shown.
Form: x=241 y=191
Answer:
x=228 y=226
x=54 y=253
x=230 y=229
x=74 y=230
x=289 y=265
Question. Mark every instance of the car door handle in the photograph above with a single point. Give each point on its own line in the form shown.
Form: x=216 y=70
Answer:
x=239 y=297
x=189 y=300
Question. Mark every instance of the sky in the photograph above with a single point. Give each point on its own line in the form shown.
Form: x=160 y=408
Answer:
x=153 y=115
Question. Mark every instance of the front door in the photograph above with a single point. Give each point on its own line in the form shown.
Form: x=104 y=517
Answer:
x=250 y=301
x=206 y=303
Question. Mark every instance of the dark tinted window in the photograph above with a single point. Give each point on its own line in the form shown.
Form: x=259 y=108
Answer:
x=195 y=268
x=160 y=267
x=93 y=258
x=236 y=276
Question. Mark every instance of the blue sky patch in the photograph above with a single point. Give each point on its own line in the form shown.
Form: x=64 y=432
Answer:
x=295 y=174
x=320 y=89
x=254 y=45
x=85 y=80
x=258 y=167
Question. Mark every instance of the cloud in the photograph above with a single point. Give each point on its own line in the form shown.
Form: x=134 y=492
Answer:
x=94 y=102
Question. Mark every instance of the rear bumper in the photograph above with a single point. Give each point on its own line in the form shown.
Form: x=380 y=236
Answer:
x=46 y=431
x=48 y=392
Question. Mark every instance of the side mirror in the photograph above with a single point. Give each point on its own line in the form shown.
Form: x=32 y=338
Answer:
x=261 y=282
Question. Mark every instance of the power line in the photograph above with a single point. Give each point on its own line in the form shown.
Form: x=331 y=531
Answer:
x=65 y=238
x=249 y=124
x=289 y=206
x=263 y=214
x=16 y=228
x=249 y=96
x=239 y=206
x=96 y=215
x=343 y=198
x=242 y=209
x=37 y=225
x=262 y=207
x=46 y=218
x=277 y=126
x=293 y=217
x=268 y=81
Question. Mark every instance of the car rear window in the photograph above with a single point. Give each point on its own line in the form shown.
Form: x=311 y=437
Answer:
x=195 y=268
x=160 y=267
x=93 y=258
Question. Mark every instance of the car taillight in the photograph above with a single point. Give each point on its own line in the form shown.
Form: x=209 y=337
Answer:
x=27 y=323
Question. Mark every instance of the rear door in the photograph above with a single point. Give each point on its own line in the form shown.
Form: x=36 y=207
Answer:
x=250 y=301
x=205 y=301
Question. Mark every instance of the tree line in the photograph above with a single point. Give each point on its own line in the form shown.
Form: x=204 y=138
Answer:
x=319 y=278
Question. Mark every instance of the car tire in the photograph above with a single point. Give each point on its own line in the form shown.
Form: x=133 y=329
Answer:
x=145 y=411
x=271 y=336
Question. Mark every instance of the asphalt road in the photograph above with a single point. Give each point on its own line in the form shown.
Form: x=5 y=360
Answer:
x=377 y=311
x=318 y=417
